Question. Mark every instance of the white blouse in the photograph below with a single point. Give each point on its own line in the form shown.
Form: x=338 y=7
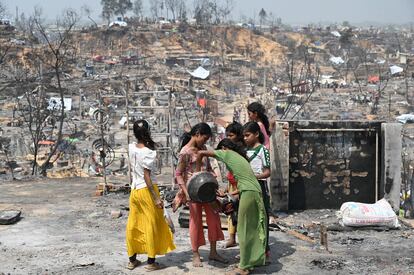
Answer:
x=140 y=159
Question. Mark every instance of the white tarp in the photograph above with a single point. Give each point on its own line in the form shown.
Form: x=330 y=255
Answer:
x=120 y=23
x=336 y=33
x=336 y=60
x=122 y=121
x=200 y=73
x=395 y=69
x=91 y=111
x=327 y=79
x=405 y=118
x=55 y=103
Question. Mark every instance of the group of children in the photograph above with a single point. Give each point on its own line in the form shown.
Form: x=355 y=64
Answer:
x=245 y=152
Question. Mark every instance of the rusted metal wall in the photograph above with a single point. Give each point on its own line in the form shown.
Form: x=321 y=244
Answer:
x=331 y=162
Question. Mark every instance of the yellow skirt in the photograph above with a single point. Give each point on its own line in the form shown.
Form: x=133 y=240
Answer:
x=147 y=231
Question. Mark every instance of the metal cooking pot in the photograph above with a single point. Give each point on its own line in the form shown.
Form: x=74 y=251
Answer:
x=202 y=187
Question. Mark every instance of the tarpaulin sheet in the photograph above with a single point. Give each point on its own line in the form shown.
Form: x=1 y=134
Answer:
x=200 y=73
x=395 y=69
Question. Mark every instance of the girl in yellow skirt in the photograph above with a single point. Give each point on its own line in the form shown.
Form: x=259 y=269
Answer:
x=147 y=231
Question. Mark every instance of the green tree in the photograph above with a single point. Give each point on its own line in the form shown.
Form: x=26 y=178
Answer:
x=138 y=8
x=108 y=9
x=155 y=8
x=3 y=9
x=262 y=15
x=346 y=37
x=122 y=7
x=182 y=11
x=87 y=11
x=203 y=11
x=115 y=7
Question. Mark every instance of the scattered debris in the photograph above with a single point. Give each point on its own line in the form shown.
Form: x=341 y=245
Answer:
x=9 y=216
x=328 y=263
x=115 y=214
x=407 y=222
x=301 y=236
x=79 y=266
x=352 y=240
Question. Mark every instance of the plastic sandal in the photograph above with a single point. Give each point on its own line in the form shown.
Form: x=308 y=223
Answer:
x=154 y=266
x=133 y=265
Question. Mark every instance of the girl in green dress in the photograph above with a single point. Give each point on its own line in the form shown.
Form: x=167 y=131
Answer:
x=251 y=226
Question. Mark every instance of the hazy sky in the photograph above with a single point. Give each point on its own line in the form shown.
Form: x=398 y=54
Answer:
x=291 y=11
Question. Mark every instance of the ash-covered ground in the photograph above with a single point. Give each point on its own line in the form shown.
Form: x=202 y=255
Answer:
x=66 y=229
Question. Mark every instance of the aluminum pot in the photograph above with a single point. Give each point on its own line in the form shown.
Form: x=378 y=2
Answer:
x=202 y=187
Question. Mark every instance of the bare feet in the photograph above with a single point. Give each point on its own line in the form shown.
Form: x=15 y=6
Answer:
x=216 y=257
x=197 y=260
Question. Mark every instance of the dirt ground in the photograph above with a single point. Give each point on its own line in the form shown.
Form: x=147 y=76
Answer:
x=66 y=229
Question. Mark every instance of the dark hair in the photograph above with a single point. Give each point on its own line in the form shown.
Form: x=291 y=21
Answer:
x=253 y=127
x=237 y=129
x=142 y=133
x=260 y=110
x=227 y=143
x=201 y=128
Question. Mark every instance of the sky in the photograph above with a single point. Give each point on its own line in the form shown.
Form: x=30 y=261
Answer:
x=292 y=11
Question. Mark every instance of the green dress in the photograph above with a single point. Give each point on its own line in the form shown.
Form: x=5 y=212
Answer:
x=251 y=224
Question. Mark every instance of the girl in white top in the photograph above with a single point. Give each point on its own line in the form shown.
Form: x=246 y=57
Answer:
x=147 y=231
x=140 y=159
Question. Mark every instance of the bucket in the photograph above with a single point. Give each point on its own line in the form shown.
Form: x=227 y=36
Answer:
x=202 y=187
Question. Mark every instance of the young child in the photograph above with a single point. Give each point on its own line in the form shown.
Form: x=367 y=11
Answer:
x=257 y=113
x=234 y=132
x=147 y=231
x=192 y=143
x=259 y=159
x=251 y=224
